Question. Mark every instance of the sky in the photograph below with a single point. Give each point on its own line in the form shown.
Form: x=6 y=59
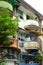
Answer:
x=36 y=4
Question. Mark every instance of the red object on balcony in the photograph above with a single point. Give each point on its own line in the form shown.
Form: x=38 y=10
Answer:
x=15 y=43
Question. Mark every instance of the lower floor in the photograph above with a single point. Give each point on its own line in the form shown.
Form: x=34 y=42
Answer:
x=12 y=57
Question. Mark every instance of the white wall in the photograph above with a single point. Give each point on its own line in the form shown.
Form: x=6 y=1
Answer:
x=10 y=63
x=24 y=16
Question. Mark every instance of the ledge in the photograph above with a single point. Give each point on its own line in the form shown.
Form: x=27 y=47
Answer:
x=11 y=60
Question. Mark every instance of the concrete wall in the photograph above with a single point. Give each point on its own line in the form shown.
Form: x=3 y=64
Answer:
x=10 y=63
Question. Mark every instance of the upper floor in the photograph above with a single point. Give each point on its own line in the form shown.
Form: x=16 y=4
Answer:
x=28 y=40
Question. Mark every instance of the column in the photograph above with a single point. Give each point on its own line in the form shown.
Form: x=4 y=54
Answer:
x=24 y=16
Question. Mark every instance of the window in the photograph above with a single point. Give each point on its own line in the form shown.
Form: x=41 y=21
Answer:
x=27 y=39
x=9 y=53
x=27 y=35
x=33 y=37
x=20 y=14
x=42 y=29
x=27 y=17
x=18 y=38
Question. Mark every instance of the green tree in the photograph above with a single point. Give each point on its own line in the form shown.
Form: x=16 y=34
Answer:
x=8 y=26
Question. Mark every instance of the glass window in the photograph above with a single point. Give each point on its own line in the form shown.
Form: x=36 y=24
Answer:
x=9 y=53
x=20 y=14
x=27 y=35
x=33 y=37
x=27 y=39
x=27 y=17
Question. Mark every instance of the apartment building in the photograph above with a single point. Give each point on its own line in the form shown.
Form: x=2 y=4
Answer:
x=28 y=33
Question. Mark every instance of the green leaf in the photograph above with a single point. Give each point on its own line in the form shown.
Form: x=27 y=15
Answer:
x=8 y=26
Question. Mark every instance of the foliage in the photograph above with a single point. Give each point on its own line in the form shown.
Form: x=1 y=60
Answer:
x=38 y=57
x=13 y=2
x=8 y=27
x=31 y=17
x=3 y=59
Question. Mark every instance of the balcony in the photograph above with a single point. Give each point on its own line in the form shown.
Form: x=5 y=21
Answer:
x=33 y=28
x=30 y=26
x=32 y=45
x=28 y=23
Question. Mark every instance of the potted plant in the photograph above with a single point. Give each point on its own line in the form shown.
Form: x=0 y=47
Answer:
x=38 y=58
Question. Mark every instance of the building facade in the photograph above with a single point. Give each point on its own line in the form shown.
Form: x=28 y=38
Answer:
x=28 y=34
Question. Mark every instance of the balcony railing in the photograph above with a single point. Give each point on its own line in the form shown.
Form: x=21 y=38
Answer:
x=25 y=23
x=32 y=28
x=32 y=45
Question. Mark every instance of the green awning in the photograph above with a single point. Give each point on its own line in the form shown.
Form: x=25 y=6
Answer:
x=5 y=4
x=13 y=2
